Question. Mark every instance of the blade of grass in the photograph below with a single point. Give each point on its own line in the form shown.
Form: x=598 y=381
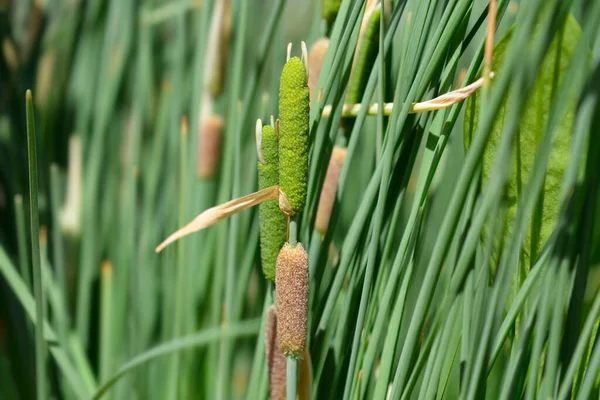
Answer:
x=201 y=338
x=22 y=241
x=58 y=251
x=40 y=344
x=29 y=305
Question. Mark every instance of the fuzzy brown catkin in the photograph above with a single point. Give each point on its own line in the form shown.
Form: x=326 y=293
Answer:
x=209 y=146
x=291 y=293
x=276 y=364
x=223 y=40
x=332 y=177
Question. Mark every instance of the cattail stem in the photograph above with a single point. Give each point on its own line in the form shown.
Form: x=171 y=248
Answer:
x=291 y=377
x=293 y=231
x=438 y=103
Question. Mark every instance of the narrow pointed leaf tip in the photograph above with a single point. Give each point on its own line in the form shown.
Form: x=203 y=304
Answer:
x=222 y=211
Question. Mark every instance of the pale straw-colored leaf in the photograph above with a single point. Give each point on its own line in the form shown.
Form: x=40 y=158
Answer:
x=217 y=213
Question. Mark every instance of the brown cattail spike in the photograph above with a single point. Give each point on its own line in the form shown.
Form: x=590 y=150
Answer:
x=220 y=37
x=316 y=56
x=209 y=146
x=276 y=364
x=291 y=292
x=336 y=163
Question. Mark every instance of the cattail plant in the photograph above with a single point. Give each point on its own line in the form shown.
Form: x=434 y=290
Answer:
x=293 y=157
x=292 y=283
x=483 y=285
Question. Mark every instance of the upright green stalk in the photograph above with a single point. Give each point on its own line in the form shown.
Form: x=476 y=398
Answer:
x=40 y=345
x=21 y=240
x=293 y=239
x=291 y=378
x=181 y=267
x=233 y=234
x=58 y=251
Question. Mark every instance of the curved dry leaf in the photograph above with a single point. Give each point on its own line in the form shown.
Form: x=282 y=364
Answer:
x=217 y=213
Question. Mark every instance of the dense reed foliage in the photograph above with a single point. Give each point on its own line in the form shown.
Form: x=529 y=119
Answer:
x=453 y=253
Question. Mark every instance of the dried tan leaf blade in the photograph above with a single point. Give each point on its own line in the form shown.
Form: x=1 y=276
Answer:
x=217 y=213
x=443 y=101
x=448 y=99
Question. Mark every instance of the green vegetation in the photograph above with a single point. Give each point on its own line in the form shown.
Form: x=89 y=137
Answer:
x=458 y=254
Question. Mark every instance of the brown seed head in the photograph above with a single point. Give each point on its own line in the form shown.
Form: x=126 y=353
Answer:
x=336 y=163
x=316 y=56
x=291 y=292
x=221 y=39
x=276 y=364
x=209 y=146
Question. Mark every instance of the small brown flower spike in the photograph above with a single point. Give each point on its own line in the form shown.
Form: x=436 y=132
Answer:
x=316 y=56
x=332 y=177
x=276 y=365
x=291 y=293
x=209 y=146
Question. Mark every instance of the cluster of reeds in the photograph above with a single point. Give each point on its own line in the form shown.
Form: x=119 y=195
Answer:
x=357 y=276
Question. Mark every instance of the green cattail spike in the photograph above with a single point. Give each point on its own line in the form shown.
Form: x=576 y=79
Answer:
x=330 y=9
x=272 y=221
x=291 y=295
x=293 y=131
x=366 y=53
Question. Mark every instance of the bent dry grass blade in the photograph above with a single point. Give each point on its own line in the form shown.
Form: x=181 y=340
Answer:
x=444 y=101
x=217 y=213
